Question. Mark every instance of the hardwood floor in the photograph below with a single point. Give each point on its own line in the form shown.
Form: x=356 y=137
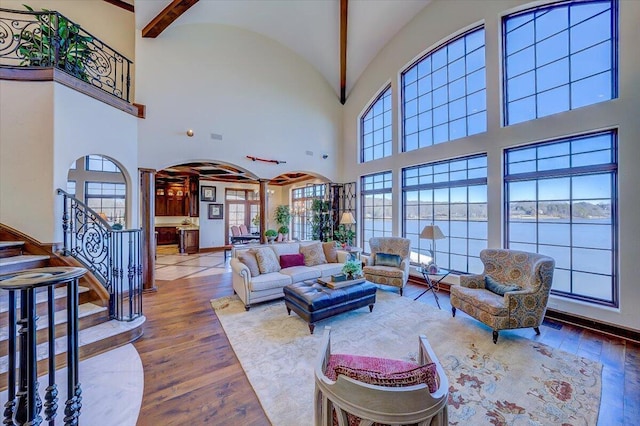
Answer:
x=193 y=377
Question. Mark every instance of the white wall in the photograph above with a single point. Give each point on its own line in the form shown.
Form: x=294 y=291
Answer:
x=265 y=101
x=26 y=152
x=437 y=22
x=45 y=127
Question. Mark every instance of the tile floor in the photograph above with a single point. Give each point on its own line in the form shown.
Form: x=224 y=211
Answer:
x=171 y=266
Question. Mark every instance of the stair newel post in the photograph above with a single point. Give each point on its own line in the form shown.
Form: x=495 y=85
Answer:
x=74 y=392
x=51 y=396
x=10 y=405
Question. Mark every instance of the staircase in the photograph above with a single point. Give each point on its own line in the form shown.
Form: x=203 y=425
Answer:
x=97 y=332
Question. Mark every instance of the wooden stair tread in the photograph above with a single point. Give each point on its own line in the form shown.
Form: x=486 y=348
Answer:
x=5 y=244
x=86 y=337
x=84 y=310
x=41 y=296
x=23 y=258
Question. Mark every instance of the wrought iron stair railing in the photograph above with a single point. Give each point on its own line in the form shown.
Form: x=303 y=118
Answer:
x=113 y=256
x=48 y=39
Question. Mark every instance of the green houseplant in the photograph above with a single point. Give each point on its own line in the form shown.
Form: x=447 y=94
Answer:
x=344 y=235
x=57 y=42
x=271 y=235
x=352 y=268
x=320 y=223
x=283 y=217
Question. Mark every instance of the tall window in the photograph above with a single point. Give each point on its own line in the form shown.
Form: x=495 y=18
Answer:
x=302 y=212
x=453 y=195
x=557 y=58
x=107 y=198
x=561 y=201
x=443 y=94
x=376 y=207
x=98 y=163
x=375 y=128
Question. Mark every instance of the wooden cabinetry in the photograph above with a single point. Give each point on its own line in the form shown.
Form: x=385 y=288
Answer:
x=189 y=241
x=167 y=235
x=178 y=199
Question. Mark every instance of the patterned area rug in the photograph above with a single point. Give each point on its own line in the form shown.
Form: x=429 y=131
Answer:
x=516 y=382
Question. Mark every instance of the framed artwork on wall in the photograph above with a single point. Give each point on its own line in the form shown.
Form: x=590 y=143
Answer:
x=215 y=211
x=207 y=193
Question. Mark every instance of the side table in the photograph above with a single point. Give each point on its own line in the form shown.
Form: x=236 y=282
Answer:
x=432 y=285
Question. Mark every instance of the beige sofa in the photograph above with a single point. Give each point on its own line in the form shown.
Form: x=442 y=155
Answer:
x=269 y=286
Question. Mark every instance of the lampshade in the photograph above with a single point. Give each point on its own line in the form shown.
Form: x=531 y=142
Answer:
x=347 y=219
x=103 y=215
x=432 y=232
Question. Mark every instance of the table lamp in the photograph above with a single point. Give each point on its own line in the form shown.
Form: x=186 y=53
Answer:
x=433 y=233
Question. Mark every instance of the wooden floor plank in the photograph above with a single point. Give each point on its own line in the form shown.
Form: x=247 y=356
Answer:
x=192 y=376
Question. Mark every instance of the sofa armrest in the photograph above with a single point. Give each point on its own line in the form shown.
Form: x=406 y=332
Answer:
x=404 y=265
x=472 y=281
x=342 y=256
x=371 y=259
x=239 y=268
x=241 y=280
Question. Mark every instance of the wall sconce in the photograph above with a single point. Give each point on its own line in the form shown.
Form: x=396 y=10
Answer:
x=190 y=132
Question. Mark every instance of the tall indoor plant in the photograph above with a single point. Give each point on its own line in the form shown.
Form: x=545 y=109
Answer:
x=283 y=217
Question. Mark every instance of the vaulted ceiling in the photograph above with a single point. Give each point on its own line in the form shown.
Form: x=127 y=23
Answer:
x=310 y=28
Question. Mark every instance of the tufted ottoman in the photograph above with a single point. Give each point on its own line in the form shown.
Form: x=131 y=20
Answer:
x=314 y=302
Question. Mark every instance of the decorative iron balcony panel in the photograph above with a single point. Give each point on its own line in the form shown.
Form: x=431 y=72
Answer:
x=48 y=39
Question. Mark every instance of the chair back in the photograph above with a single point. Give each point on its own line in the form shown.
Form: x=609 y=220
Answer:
x=235 y=231
x=390 y=245
x=243 y=229
x=528 y=270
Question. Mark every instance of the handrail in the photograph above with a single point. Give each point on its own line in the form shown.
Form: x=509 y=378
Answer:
x=50 y=39
x=113 y=256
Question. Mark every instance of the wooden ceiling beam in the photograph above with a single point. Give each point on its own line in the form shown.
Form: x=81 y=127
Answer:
x=344 y=6
x=165 y=18
x=122 y=4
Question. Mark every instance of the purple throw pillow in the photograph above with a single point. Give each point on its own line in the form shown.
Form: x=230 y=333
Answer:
x=288 y=260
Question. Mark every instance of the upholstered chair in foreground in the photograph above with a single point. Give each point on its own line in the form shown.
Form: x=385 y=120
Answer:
x=512 y=292
x=389 y=261
x=416 y=396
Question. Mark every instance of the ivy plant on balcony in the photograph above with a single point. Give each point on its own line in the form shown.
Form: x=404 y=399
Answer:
x=55 y=33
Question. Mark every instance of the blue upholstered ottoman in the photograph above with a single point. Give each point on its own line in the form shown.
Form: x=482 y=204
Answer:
x=314 y=302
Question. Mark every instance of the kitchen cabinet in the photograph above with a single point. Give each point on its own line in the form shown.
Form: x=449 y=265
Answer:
x=172 y=199
x=167 y=235
x=189 y=241
x=194 y=196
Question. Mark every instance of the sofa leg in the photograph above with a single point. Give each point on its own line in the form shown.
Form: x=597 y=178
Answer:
x=453 y=311
x=288 y=310
x=400 y=291
x=537 y=330
x=495 y=336
x=311 y=327
x=247 y=307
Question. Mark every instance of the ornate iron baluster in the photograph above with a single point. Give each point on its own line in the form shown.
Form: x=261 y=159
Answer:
x=51 y=397
x=10 y=405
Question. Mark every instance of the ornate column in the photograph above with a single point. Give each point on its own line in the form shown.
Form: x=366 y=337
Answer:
x=263 y=209
x=147 y=222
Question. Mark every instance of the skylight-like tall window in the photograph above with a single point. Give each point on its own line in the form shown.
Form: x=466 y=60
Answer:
x=375 y=128
x=444 y=93
x=558 y=58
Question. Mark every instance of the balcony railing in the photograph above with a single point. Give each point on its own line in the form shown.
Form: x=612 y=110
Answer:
x=48 y=39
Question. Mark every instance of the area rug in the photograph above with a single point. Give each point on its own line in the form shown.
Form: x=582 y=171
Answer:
x=516 y=382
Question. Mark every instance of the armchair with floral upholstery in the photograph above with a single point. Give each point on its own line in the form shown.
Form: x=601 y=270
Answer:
x=394 y=269
x=362 y=390
x=524 y=279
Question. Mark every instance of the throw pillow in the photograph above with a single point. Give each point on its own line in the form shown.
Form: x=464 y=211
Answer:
x=288 y=260
x=267 y=260
x=249 y=259
x=498 y=288
x=313 y=254
x=386 y=259
x=423 y=374
x=330 y=252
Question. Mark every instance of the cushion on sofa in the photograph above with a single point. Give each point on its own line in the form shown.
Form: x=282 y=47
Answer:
x=387 y=259
x=249 y=259
x=267 y=260
x=269 y=281
x=498 y=288
x=328 y=269
x=301 y=273
x=330 y=252
x=313 y=254
x=288 y=260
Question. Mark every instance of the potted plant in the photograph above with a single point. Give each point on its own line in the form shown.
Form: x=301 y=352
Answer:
x=344 y=236
x=283 y=217
x=352 y=269
x=56 y=39
x=271 y=235
x=284 y=230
